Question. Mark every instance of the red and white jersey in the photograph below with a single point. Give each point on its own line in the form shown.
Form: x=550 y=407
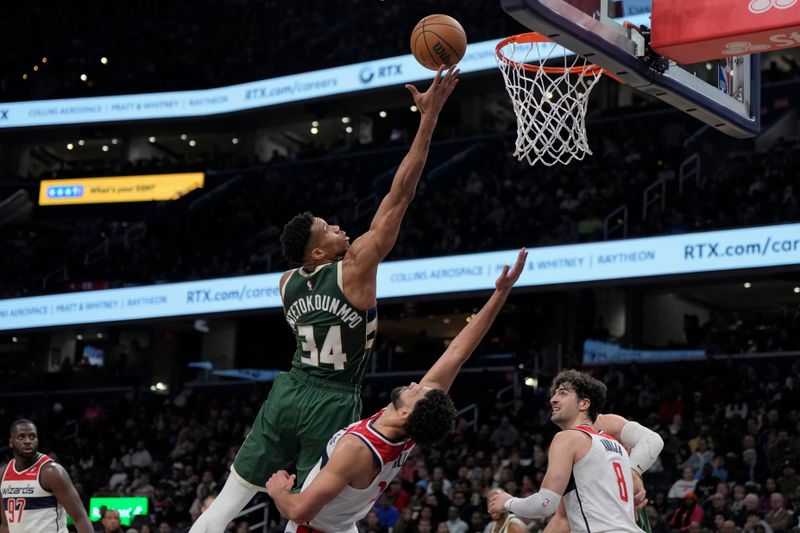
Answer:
x=27 y=507
x=599 y=496
x=341 y=514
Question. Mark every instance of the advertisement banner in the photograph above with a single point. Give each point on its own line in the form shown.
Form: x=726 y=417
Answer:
x=119 y=189
x=128 y=507
x=606 y=353
x=760 y=247
x=390 y=71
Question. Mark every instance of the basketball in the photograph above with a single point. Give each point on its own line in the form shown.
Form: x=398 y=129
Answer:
x=438 y=40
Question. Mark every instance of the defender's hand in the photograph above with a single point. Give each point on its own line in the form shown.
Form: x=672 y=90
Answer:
x=280 y=481
x=508 y=279
x=639 y=492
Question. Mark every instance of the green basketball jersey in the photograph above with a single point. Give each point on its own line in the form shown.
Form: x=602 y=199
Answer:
x=642 y=521
x=334 y=339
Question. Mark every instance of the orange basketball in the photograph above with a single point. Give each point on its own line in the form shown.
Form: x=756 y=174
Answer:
x=438 y=40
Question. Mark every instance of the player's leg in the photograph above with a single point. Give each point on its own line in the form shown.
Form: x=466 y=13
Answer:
x=231 y=500
x=326 y=411
x=270 y=446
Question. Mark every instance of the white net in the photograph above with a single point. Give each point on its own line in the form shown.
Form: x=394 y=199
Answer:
x=550 y=102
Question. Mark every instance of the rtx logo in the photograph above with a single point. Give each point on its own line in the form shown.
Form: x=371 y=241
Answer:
x=762 y=6
x=3 y=114
x=367 y=74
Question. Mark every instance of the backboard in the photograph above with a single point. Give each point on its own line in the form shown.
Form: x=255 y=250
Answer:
x=723 y=93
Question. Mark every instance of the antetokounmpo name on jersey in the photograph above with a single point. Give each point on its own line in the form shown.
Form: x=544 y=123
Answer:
x=320 y=302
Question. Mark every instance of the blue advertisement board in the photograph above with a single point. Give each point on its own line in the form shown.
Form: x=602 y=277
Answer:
x=748 y=248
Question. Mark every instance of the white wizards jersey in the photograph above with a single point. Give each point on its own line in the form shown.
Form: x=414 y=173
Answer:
x=341 y=514
x=27 y=507
x=599 y=496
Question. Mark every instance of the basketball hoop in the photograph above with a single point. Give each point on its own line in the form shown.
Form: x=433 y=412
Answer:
x=549 y=101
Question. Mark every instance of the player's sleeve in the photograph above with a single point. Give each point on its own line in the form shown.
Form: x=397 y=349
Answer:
x=645 y=445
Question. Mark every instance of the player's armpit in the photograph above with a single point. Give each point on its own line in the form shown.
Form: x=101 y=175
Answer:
x=56 y=480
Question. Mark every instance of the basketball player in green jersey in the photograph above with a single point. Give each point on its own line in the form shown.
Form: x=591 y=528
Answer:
x=329 y=303
x=644 y=446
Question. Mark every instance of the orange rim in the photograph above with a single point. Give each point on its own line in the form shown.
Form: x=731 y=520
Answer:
x=588 y=69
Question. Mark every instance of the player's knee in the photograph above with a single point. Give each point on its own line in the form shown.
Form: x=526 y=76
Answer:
x=208 y=523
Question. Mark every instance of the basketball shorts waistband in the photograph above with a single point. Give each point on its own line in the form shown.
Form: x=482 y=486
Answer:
x=314 y=381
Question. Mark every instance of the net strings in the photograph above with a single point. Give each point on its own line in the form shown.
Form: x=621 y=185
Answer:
x=550 y=108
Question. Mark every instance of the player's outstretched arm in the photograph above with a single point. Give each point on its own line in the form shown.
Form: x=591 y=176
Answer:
x=444 y=371
x=55 y=479
x=366 y=252
x=349 y=457
x=560 y=458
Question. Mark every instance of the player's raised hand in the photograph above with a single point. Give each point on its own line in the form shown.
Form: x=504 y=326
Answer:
x=280 y=481
x=508 y=278
x=498 y=501
x=432 y=100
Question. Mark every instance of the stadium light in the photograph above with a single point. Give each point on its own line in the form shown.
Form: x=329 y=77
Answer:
x=184 y=136
x=192 y=143
x=152 y=139
x=36 y=68
x=349 y=129
x=104 y=60
x=531 y=381
x=84 y=77
x=345 y=120
x=14 y=339
x=413 y=109
x=314 y=130
x=81 y=142
x=114 y=141
x=747 y=285
x=25 y=76
x=105 y=148
x=235 y=140
x=315 y=123
x=44 y=60
x=382 y=114
x=797 y=290
x=70 y=146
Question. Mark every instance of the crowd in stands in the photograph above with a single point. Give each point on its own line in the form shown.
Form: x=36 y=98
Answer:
x=209 y=44
x=731 y=431
x=474 y=197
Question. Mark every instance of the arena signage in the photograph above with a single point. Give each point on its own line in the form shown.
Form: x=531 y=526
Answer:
x=119 y=189
x=761 y=247
x=128 y=507
x=391 y=71
x=606 y=353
